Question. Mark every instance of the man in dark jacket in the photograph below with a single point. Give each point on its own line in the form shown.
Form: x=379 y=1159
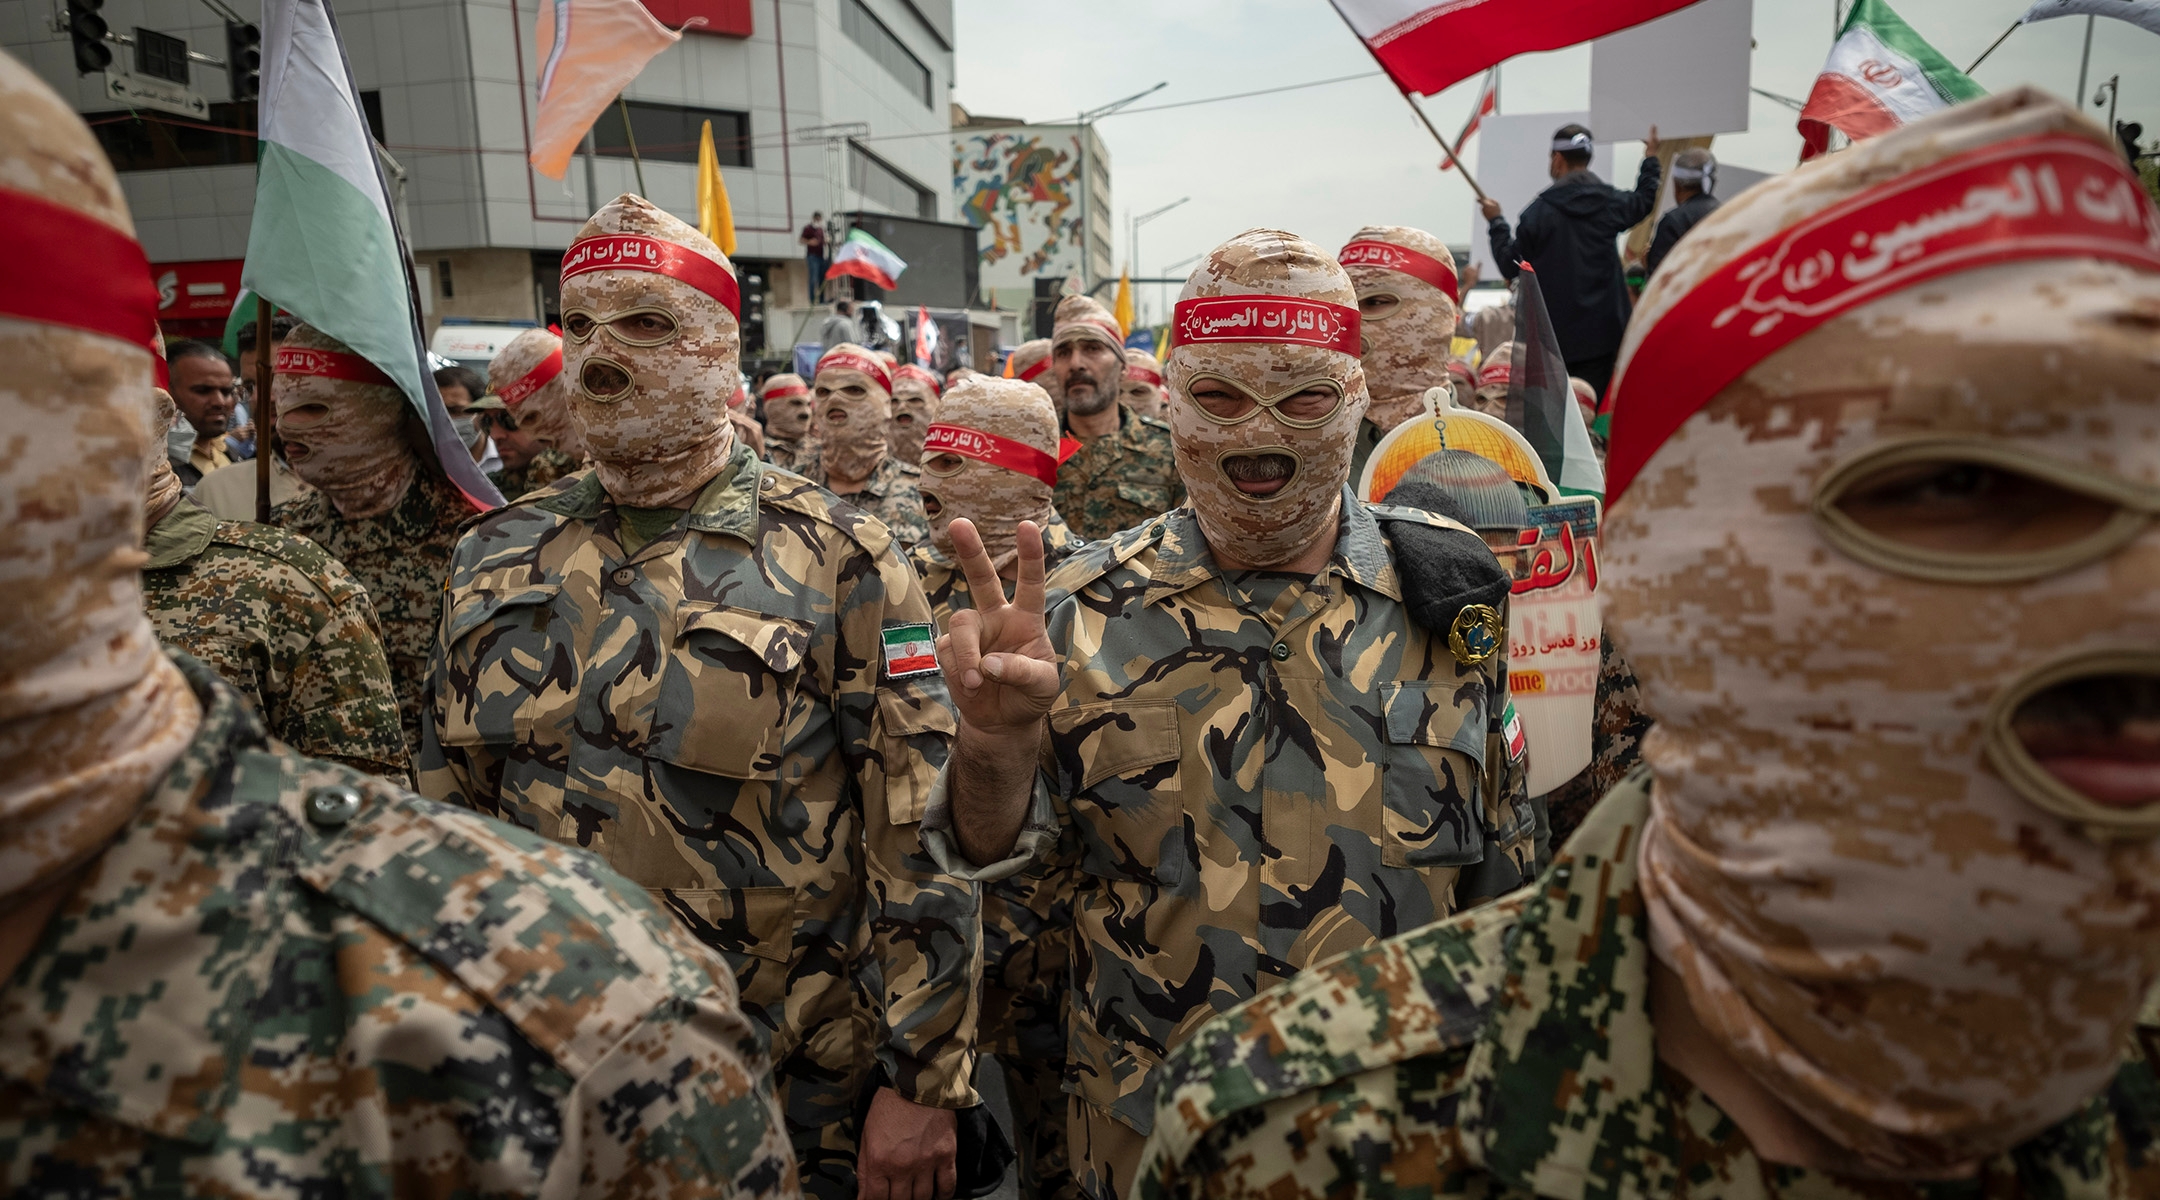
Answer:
x=1567 y=234
x=1694 y=178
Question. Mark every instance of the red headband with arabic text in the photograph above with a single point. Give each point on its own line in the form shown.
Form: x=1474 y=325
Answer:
x=784 y=391
x=845 y=360
x=1139 y=374
x=106 y=288
x=533 y=380
x=1390 y=257
x=329 y=364
x=1286 y=320
x=1495 y=374
x=911 y=371
x=636 y=252
x=2044 y=196
x=990 y=448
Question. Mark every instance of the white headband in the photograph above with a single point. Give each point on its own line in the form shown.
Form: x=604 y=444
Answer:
x=1706 y=173
x=1579 y=141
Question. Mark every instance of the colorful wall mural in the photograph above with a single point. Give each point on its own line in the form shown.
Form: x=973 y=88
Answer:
x=1021 y=187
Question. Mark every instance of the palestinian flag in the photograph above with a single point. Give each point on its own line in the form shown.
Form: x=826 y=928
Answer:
x=1880 y=75
x=866 y=258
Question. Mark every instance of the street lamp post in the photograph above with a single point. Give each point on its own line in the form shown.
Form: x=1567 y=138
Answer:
x=1081 y=125
x=1132 y=253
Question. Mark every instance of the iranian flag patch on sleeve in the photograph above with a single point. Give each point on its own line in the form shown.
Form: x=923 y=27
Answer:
x=910 y=650
x=1510 y=728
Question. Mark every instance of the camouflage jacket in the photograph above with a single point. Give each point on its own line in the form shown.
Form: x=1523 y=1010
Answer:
x=718 y=715
x=286 y=979
x=790 y=454
x=946 y=586
x=285 y=624
x=1115 y=483
x=892 y=494
x=401 y=558
x=1508 y=1053
x=545 y=468
x=1616 y=733
x=1256 y=783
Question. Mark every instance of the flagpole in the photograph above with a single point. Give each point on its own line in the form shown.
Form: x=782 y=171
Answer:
x=265 y=411
x=631 y=135
x=1991 y=45
x=1407 y=99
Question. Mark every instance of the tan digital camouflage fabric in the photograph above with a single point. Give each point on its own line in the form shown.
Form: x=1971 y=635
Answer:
x=1030 y=363
x=788 y=410
x=162 y=488
x=287 y=626
x=1143 y=391
x=914 y=406
x=90 y=710
x=1250 y=772
x=717 y=716
x=545 y=468
x=854 y=409
x=1085 y=318
x=994 y=497
x=286 y=979
x=345 y=438
x=1508 y=1053
x=1114 y=483
x=1910 y=952
x=1408 y=324
x=545 y=411
x=1490 y=394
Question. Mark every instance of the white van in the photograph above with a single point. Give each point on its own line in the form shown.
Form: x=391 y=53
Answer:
x=473 y=344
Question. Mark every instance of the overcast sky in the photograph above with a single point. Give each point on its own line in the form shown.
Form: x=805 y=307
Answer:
x=1323 y=161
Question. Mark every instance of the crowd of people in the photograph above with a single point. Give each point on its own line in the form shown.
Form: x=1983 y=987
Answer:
x=710 y=817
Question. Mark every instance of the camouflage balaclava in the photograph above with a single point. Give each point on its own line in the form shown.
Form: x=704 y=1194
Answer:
x=914 y=407
x=1030 y=363
x=342 y=422
x=788 y=407
x=162 y=488
x=1407 y=295
x=1143 y=390
x=992 y=458
x=1883 y=556
x=1489 y=396
x=1084 y=319
x=527 y=376
x=652 y=347
x=91 y=711
x=854 y=405
x=1272 y=315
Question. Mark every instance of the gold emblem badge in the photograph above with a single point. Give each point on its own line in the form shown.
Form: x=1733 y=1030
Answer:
x=1476 y=634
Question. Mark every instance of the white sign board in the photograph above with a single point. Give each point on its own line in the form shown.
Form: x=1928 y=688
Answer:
x=137 y=91
x=1686 y=73
x=1515 y=164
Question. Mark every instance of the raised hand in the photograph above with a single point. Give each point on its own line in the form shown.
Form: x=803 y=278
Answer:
x=997 y=656
x=1650 y=144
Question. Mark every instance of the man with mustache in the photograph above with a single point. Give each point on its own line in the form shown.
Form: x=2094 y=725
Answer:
x=853 y=397
x=788 y=408
x=1279 y=723
x=1123 y=471
x=1877 y=919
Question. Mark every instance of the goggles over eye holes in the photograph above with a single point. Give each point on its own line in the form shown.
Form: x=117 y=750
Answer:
x=943 y=465
x=643 y=326
x=1307 y=404
x=1970 y=509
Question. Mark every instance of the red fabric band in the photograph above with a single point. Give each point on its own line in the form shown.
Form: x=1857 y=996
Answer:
x=1091 y=328
x=782 y=393
x=1390 y=257
x=533 y=380
x=873 y=367
x=990 y=448
x=634 y=252
x=1286 y=320
x=911 y=371
x=1040 y=365
x=329 y=364
x=2046 y=196
x=1497 y=373
x=1143 y=375
x=73 y=270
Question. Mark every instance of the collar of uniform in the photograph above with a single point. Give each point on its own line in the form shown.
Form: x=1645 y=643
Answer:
x=182 y=889
x=727 y=504
x=180 y=535
x=1183 y=560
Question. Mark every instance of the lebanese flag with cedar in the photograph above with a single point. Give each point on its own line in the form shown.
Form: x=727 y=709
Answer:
x=1425 y=47
x=1880 y=75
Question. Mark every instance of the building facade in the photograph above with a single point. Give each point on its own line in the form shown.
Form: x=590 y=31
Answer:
x=817 y=106
x=1031 y=189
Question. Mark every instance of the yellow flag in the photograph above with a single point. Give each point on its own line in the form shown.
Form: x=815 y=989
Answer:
x=1123 y=309
x=714 y=218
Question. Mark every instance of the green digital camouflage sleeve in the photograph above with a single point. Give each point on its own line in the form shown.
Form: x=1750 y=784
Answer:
x=896 y=729
x=339 y=702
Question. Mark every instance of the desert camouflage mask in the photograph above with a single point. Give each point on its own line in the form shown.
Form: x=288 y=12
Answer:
x=992 y=458
x=1406 y=290
x=854 y=407
x=527 y=376
x=914 y=407
x=342 y=422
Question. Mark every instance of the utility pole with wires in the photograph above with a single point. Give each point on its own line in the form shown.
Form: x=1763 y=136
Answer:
x=1082 y=126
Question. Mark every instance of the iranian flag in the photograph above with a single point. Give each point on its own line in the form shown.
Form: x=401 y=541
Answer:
x=1880 y=75
x=1428 y=45
x=866 y=258
x=324 y=243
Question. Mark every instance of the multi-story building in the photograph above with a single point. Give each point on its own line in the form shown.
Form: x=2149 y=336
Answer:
x=817 y=106
x=1032 y=190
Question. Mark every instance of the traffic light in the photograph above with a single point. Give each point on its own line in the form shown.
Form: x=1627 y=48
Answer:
x=243 y=59
x=87 y=30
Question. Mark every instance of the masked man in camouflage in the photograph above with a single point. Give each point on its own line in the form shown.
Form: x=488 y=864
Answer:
x=526 y=376
x=1123 y=471
x=384 y=510
x=1142 y=391
x=719 y=678
x=991 y=459
x=914 y=406
x=1260 y=753
x=853 y=395
x=788 y=409
x=275 y=617
x=1408 y=296
x=230 y=970
x=1877 y=920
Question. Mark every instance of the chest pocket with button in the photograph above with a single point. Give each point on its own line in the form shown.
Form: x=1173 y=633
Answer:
x=1118 y=760
x=1430 y=772
x=727 y=688
x=509 y=671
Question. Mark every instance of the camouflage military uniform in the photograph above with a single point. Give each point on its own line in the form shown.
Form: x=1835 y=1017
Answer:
x=545 y=468
x=401 y=558
x=892 y=494
x=1114 y=483
x=1027 y=935
x=792 y=454
x=1509 y=1053
x=713 y=715
x=286 y=979
x=1368 y=440
x=1252 y=773
x=1615 y=745
x=283 y=622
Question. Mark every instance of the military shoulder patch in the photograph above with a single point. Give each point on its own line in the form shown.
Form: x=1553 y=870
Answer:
x=1511 y=729
x=1477 y=634
x=910 y=650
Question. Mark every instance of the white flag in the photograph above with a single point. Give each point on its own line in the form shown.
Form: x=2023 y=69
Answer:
x=2145 y=14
